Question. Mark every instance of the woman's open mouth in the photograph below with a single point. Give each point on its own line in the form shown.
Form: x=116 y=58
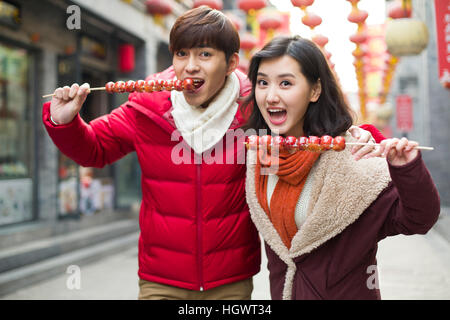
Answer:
x=277 y=116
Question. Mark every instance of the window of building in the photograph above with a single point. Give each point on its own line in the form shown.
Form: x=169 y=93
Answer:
x=16 y=151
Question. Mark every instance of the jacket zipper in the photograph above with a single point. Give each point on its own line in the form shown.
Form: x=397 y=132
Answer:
x=199 y=228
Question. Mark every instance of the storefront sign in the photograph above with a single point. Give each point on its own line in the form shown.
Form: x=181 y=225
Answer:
x=442 y=8
x=404 y=113
x=10 y=13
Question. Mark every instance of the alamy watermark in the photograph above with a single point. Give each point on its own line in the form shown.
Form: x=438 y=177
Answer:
x=372 y=281
x=73 y=22
x=73 y=281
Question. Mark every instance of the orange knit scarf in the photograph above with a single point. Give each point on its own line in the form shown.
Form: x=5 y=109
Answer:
x=292 y=172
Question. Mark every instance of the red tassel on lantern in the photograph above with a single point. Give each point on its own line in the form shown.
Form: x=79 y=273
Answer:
x=126 y=58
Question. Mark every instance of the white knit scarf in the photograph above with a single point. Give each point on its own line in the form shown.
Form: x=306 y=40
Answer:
x=202 y=128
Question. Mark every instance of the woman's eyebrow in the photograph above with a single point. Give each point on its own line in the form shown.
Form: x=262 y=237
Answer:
x=283 y=75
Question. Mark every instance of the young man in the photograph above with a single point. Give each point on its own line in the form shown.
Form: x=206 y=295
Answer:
x=197 y=240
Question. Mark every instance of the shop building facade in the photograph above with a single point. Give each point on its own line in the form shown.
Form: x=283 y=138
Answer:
x=48 y=44
x=418 y=78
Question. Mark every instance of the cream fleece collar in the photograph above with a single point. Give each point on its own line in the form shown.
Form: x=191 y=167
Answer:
x=342 y=190
x=202 y=128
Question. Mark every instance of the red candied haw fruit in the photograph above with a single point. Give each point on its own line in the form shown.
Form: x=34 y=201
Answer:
x=169 y=85
x=129 y=87
x=338 y=143
x=188 y=84
x=110 y=87
x=314 y=143
x=178 y=84
x=120 y=87
x=265 y=140
x=290 y=142
x=159 y=85
x=140 y=86
x=326 y=142
x=303 y=143
x=278 y=142
x=149 y=85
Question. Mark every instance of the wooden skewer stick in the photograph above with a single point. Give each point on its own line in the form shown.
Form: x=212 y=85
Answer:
x=90 y=89
x=377 y=144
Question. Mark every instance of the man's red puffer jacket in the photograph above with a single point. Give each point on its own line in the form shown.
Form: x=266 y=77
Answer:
x=196 y=231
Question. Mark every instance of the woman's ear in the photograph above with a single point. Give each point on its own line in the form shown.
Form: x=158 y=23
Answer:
x=316 y=91
x=233 y=63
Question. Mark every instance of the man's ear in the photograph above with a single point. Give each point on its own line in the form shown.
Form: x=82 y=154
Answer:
x=316 y=91
x=233 y=63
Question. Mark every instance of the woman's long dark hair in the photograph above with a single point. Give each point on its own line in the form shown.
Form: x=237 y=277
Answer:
x=330 y=114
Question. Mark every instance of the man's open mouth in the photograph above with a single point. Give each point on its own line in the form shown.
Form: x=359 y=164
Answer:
x=198 y=83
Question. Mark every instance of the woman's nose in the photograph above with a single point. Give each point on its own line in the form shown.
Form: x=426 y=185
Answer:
x=272 y=96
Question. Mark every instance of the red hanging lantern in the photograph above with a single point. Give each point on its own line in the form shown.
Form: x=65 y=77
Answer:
x=126 y=58
x=397 y=11
x=269 y=21
x=359 y=37
x=302 y=4
x=248 y=41
x=357 y=16
x=320 y=40
x=311 y=20
x=247 y=5
x=214 y=4
x=158 y=7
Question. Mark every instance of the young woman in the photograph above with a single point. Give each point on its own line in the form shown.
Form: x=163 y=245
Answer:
x=322 y=214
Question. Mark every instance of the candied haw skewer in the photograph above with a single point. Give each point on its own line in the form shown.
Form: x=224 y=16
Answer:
x=144 y=86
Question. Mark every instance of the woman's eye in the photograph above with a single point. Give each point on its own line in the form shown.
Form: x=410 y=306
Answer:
x=261 y=82
x=180 y=53
x=206 y=54
x=285 y=83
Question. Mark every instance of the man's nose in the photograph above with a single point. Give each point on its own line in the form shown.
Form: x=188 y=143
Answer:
x=192 y=65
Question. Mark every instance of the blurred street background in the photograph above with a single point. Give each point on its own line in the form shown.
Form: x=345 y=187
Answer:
x=58 y=219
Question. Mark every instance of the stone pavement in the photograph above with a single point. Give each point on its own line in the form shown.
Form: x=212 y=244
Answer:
x=410 y=267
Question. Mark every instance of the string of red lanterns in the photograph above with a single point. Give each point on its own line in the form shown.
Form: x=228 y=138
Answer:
x=359 y=38
x=312 y=20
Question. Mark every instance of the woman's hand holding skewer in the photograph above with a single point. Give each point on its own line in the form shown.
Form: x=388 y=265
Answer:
x=398 y=151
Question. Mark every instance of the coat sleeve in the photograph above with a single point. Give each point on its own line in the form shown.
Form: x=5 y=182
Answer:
x=102 y=141
x=417 y=205
x=376 y=134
